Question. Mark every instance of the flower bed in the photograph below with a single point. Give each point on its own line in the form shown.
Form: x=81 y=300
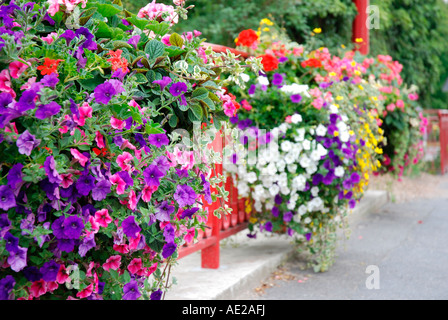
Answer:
x=104 y=121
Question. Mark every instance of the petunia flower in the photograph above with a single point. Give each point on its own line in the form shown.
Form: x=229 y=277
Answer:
x=15 y=175
x=86 y=292
x=131 y=291
x=85 y=184
x=38 y=288
x=26 y=101
x=104 y=92
x=152 y=175
x=130 y=227
x=16 y=68
x=164 y=211
x=73 y=227
x=123 y=161
x=18 y=260
x=101 y=190
x=184 y=195
x=79 y=156
x=178 y=88
x=117 y=123
x=7 y=198
x=47 y=110
x=50 y=170
x=115 y=179
x=163 y=83
x=86 y=244
x=168 y=249
x=158 y=140
x=147 y=192
x=112 y=262
x=50 y=270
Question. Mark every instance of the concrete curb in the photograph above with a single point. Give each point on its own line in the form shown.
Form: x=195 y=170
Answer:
x=244 y=262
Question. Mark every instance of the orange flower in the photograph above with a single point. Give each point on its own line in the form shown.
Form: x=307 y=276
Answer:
x=50 y=66
x=311 y=63
x=117 y=61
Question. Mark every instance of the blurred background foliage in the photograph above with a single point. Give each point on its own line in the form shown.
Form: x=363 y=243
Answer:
x=414 y=32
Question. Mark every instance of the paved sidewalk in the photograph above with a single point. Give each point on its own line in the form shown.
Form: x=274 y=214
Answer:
x=402 y=248
x=245 y=262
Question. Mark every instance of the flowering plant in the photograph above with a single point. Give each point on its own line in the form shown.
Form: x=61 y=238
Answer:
x=310 y=140
x=102 y=180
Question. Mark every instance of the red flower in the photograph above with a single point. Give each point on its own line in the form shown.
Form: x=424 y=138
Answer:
x=50 y=66
x=269 y=62
x=247 y=38
x=312 y=62
x=117 y=61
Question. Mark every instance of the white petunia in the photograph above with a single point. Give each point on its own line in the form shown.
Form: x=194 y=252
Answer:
x=306 y=144
x=304 y=161
x=286 y=146
x=263 y=81
x=321 y=130
x=339 y=171
x=300 y=135
x=292 y=167
x=296 y=118
x=314 y=191
x=251 y=177
x=245 y=77
x=302 y=210
x=274 y=190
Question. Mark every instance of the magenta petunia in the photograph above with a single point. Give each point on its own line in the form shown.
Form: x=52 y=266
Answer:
x=130 y=227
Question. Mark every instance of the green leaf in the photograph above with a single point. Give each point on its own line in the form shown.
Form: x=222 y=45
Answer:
x=155 y=49
x=120 y=44
x=86 y=15
x=125 y=277
x=200 y=93
x=173 y=121
x=207 y=102
x=197 y=111
x=138 y=22
x=176 y=40
x=160 y=28
x=106 y=10
x=153 y=128
x=174 y=51
x=140 y=78
x=104 y=31
x=78 y=135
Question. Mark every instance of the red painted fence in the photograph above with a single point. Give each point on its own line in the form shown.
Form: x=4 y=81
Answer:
x=443 y=125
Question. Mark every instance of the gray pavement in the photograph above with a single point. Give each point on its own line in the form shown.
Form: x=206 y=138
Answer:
x=245 y=262
x=407 y=245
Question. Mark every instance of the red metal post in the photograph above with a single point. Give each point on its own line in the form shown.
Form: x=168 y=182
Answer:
x=443 y=124
x=360 y=29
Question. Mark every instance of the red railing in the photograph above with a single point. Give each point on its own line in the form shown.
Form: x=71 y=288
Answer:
x=443 y=125
x=218 y=229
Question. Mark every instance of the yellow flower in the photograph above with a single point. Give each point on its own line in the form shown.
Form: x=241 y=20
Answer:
x=266 y=29
x=351 y=132
x=357 y=72
x=266 y=21
x=336 y=133
x=317 y=30
x=342 y=46
x=339 y=98
x=332 y=74
x=358 y=40
x=361 y=87
x=353 y=63
x=253 y=220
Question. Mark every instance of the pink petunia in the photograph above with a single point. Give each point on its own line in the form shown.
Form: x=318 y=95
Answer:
x=51 y=286
x=103 y=218
x=99 y=140
x=318 y=103
x=16 y=68
x=94 y=224
x=117 y=123
x=85 y=112
x=135 y=265
x=50 y=37
x=112 y=262
x=190 y=235
x=5 y=83
x=85 y=292
x=400 y=104
x=67 y=180
x=79 y=156
x=38 y=288
x=147 y=192
x=123 y=160
x=134 y=242
x=116 y=180
x=28 y=84
x=132 y=201
x=151 y=269
x=62 y=276
x=122 y=248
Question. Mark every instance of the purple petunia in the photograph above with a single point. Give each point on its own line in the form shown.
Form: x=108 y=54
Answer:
x=101 y=190
x=131 y=291
x=287 y=216
x=85 y=184
x=47 y=110
x=268 y=226
x=152 y=175
x=163 y=83
x=188 y=213
x=168 y=249
x=58 y=228
x=17 y=260
x=15 y=175
x=50 y=170
x=156 y=295
x=296 y=98
x=27 y=142
x=252 y=89
x=134 y=40
x=50 y=80
x=277 y=79
x=278 y=199
x=104 y=92
x=50 y=270
x=32 y=273
x=66 y=245
x=26 y=101
x=162 y=163
x=207 y=190
x=73 y=227
x=158 y=139
x=6 y=286
x=163 y=211
x=275 y=211
x=308 y=236
x=87 y=244
x=169 y=233
x=7 y=199
x=178 y=88
x=130 y=227
x=11 y=242
x=184 y=195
